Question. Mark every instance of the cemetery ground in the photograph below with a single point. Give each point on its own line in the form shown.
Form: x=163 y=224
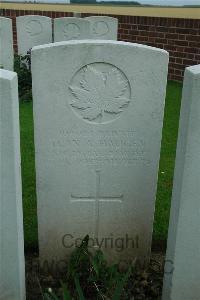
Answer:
x=147 y=284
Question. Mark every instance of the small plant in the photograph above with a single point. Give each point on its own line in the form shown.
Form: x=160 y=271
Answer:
x=22 y=66
x=90 y=277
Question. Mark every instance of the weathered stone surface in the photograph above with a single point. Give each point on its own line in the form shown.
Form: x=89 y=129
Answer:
x=103 y=27
x=12 y=277
x=98 y=112
x=71 y=28
x=182 y=270
x=6 y=44
x=32 y=31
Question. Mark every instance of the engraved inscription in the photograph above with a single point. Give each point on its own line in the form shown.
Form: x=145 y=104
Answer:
x=97 y=148
x=100 y=28
x=34 y=27
x=71 y=31
x=100 y=92
x=97 y=198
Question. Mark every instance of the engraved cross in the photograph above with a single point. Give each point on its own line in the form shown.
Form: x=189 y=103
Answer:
x=97 y=198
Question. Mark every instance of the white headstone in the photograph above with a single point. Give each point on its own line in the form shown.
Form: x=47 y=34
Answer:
x=32 y=31
x=71 y=28
x=98 y=112
x=182 y=270
x=103 y=28
x=12 y=277
x=6 y=44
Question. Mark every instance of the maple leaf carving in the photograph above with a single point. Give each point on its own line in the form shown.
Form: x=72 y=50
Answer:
x=100 y=93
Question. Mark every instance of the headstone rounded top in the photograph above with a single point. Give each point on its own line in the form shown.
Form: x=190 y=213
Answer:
x=194 y=69
x=101 y=17
x=69 y=28
x=33 y=30
x=33 y=16
x=70 y=19
x=7 y=74
x=103 y=27
x=99 y=42
x=33 y=23
x=5 y=19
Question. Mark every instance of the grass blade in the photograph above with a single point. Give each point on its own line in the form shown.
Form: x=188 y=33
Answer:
x=50 y=296
x=120 y=285
x=66 y=294
x=79 y=289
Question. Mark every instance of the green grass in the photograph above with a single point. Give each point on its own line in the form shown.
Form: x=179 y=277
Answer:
x=28 y=174
x=167 y=160
x=168 y=151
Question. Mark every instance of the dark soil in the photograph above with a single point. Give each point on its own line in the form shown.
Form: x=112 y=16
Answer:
x=142 y=285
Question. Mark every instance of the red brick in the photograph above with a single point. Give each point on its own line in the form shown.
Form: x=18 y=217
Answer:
x=171 y=36
x=197 y=57
x=192 y=50
x=178 y=72
x=188 y=62
x=195 y=38
x=142 y=38
x=179 y=60
x=163 y=41
x=143 y=33
x=181 y=43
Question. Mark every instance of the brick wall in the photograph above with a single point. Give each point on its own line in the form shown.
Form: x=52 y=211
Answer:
x=180 y=37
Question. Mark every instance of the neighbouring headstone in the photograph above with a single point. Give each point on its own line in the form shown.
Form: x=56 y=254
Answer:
x=103 y=28
x=98 y=113
x=182 y=270
x=12 y=269
x=32 y=31
x=71 y=28
x=6 y=44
